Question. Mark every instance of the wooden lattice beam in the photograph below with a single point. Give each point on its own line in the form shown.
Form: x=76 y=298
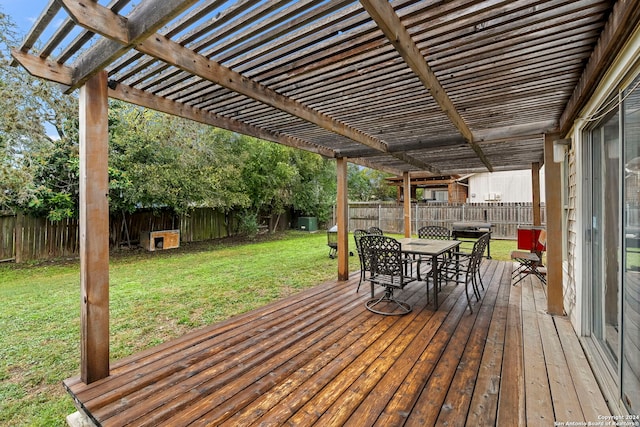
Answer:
x=115 y=28
x=147 y=18
x=389 y=22
x=623 y=20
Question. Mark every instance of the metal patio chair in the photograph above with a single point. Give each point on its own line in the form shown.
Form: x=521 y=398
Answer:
x=388 y=269
x=365 y=265
x=530 y=262
x=464 y=267
x=434 y=232
x=375 y=230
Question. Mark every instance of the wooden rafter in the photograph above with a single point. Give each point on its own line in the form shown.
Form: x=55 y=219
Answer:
x=64 y=75
x=43 y=20
x=508 y=66
x=44 y=69
x=370 y=165
x=145 y=20
x=102 y=20
x=389 y=22
x=516 y=131
x=623 y=20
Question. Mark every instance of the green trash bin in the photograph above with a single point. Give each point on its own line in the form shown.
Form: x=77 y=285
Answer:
x=308 y=223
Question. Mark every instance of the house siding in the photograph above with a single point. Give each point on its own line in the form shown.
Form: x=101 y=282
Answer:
x=570 y=261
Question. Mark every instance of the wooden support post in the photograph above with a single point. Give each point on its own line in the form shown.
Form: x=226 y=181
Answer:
x=406 y=186
x=553 y=196
x=535 y=184
x=342 y=214
x=94 y=230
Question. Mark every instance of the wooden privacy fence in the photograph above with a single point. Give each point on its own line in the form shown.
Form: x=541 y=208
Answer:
x=505 y=217
x=24 y=238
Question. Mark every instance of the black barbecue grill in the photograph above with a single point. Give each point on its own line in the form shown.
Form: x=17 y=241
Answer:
x=332 y=241
x=472 y=230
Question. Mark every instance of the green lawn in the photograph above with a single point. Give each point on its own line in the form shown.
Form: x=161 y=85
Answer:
x=154 y=297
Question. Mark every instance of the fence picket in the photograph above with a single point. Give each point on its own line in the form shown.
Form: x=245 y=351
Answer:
x=505 y=217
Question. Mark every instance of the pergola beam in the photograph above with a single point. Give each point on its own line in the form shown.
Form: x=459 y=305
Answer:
x=105 y=22
x=135 y=32
x=623 y=20
x=44 y=69
x=389 y=22
x=366 y=163
x=148 y=100
x=530 y=130
x=147 y=18
x=64 y=75
x=127 y=33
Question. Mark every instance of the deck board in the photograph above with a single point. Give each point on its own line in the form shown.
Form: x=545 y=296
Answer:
x=484 y=404
x=538 y=402
x=320 y=358
x=511 y=401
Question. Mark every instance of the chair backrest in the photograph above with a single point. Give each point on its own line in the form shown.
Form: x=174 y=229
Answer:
x=365 y=243
x=542 y=240
x=383 y=253
x=357 y=234
x=375 y=230
x=478 y=251
x=434 y=232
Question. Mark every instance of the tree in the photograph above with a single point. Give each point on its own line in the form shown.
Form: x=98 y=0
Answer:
x=368 y=184
x=155 y=160
x=25 y=148
x=278 y=178
x=314 y=192
x=163 y=161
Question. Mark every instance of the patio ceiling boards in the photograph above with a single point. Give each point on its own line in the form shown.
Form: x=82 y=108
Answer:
x=445 y=87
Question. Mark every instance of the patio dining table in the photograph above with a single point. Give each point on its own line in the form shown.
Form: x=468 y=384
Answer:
x=430 y=248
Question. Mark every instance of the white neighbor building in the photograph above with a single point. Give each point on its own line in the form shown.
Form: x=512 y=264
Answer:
x=505 y=187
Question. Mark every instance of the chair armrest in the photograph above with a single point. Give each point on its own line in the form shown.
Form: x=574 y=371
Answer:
x=462 y=254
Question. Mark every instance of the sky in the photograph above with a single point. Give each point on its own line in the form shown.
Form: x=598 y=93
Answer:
x=23 y=13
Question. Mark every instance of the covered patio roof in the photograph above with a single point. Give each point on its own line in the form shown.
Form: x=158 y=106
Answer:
x=445 y=87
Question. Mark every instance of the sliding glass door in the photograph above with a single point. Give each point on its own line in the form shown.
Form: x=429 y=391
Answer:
x=605 y=196
x=612 y=258
x=630 y=360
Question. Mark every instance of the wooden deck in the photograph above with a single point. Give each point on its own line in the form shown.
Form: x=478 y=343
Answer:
x=321 y=358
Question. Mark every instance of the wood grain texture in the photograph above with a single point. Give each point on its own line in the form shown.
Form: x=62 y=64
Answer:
x=320 y=358
x=94 y=230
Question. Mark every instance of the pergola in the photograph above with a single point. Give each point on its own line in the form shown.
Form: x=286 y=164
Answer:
x=445 y=87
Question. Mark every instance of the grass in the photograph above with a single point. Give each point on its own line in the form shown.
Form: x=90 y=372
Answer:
x=154 y=297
